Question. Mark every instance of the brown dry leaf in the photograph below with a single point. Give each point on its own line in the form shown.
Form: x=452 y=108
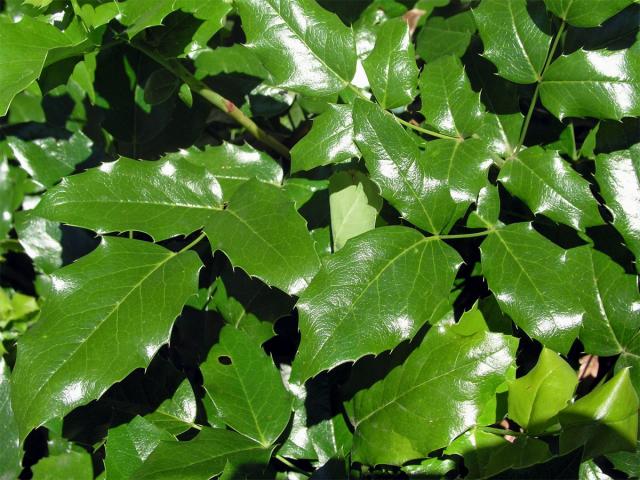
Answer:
x=412 y=17
x=589 y=366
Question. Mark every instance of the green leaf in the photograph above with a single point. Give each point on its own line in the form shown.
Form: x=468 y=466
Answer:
x=528 y=275
x=618 y=175
x=232 y=165
x=399 y=168
x=40 y=239
x=129 y=445
x=548 y=185
x=304 y=47
x=604 y=421
x=12 y=190
x=586 y=13
x=487 y=208
x=301 y=190
x=48 y=160
x=25 y=46
x=256 y=217
x=589 y=470
x=107 y=314
x=600 y=84
x=430 y=468
x=448 y=103
x=160 y=86
x=627 y=462
x=445 y=36
x=536 y=398
x=202 y=458
x=391 y=66
x=10 y=451
x=234 y=59
x=246 y=388
x=329 y=141
x=354 y=203
x=162 y=199
x=486 y=454
x=514 y=33
x=432 y=398
x=74 y=465
x=177 y=414
x=345 y=314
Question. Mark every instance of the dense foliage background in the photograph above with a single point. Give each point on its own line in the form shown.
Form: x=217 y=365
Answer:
x=332 y=239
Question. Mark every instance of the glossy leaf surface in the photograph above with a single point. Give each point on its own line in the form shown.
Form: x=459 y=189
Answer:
x=10 y=451
x=586 y=13
x=445 y=36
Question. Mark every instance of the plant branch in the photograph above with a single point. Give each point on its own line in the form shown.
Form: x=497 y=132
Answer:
x=192 y=244
x=289 y=464
x=227 y=106
x=465 y=235
x=428 y=132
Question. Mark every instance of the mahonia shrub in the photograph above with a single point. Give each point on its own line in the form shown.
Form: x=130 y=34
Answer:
x=285 y=239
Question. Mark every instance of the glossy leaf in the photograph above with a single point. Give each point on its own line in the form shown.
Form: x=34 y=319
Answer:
x=432 y=398
x=391 y=66
x=10 y=451
x=600 y=84
x=246 y=387
x=256 y=216
x=398 y=166
x=162 y=199
x=448 y=103
x=40 y=239
x=618 y=175
x=72 y=464
x=304 y=47
x=586 y=13
x=604 y=421
x=487 y=208
x=515 y=37
x=536 y=398
x=527 y=274
x=548 y=185
x=345 y=312
x=204 y=457
x=119 y=303
x=177 y=414
x=236 y=58
x=445 y=36
x=329 y=141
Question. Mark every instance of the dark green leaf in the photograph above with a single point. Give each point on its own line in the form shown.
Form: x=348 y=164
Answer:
x=445 y=36
x=586 y=13
x=10 y=451
x=74 y=465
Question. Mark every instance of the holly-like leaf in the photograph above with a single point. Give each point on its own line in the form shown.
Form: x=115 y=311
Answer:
x=391 y=66
x=586 y=13
x=329 y=141
x=106 y=315
x=618 y=175
x=177 y=414
x=162 y=199
x=604 y=421
x=515 y=37
x=72 y=464
x=601 y=84
x=448 y=103
x=40 y=239
x=256 y=217
x=445 y=36
x=536 y=398
x=432 y=398
x=487 y=208
x=236 y=58
x=345 y=313
x=10 y=451
x=232 y=165
x=528 y=276
x=548 y=185
x=202 y=458
x=246 y=387
x=398 y=166
x=304 y=47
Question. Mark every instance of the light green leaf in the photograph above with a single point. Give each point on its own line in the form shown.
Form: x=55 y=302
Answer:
x=604 y=421
x=255 y=219
x=399 y=168
x=10 y=451
x=232 y=165
x=202 y=458
x=74 y=465
x=48 y=160
x=162 y=199
x=129 y=445
x=448 y=103
x=107 y=314
x=312 y=53
x=234 y=59
x=391 y=66
x=345 y=313
x=513 y=38
x=536 y=398
x=430 y=468
x=528 y=276
x=354 y=203
x=586 y=13
x=246 y=388
x=600 y=84
x=548 y=185
x=329 y=141
x=445 y=36
x=618 y=175
x=12 y=190
x=433 y=397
